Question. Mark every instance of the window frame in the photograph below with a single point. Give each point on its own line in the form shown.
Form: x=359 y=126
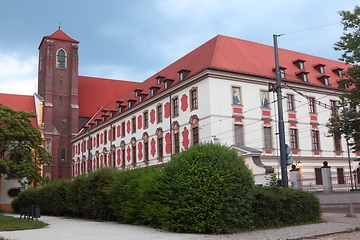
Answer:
x=290 y=102
x=159 y=113
x=175 y=106
x=293 y=132
x=312 y=107
x=238 y=139
x=315 y=140
x=193 y=98
x=267 y=137
x=61 y=58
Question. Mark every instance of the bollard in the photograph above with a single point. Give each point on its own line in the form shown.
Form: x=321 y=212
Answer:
x=351 y=211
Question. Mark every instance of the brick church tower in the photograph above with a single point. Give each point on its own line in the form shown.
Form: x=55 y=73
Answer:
x=58 y=86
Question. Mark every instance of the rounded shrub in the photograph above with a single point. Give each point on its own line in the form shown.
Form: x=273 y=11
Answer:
x=207 y=189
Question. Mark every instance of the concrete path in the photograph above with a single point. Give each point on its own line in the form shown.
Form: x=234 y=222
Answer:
x=78 y=229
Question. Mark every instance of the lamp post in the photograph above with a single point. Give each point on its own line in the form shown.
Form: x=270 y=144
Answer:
x=354 y=174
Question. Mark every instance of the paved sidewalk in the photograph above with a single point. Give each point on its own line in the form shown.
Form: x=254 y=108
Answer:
x=63 y=228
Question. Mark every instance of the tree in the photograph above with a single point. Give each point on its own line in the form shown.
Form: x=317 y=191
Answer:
x=21 y=150
x=346 y=119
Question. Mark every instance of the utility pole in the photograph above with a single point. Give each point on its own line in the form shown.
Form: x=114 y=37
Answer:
x=281 y=118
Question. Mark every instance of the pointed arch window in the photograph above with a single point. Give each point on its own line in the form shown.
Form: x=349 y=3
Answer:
x=63 y=153
x=61 y=84
x=61 y=58
x=60 y=101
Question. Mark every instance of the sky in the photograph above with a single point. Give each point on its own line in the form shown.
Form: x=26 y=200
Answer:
x=134 y=39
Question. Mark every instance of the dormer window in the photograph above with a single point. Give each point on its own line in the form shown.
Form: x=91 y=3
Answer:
x=159 y=79
x=112 y=113
x=131 y=102
x=338 y=71
x=153 y=90
x=324 y=79
x=300 y=64
x=282 y=71
x=320 y=67
x=302 y=75
x=120 y=106
x=183 y=74
x=137 y=92
x=167 y=83
x=142 y=96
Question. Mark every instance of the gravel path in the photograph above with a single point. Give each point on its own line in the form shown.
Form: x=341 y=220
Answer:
x=63 y=228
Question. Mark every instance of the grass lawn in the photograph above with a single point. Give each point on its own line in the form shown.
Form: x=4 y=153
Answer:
x=8 y=223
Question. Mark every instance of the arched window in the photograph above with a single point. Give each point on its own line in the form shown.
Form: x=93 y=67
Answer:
x=62 y=153
x=60 y=101
x=60 y=84
x=61 y=58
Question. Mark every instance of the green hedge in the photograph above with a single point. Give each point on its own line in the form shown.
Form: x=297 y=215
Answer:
x=205 y=189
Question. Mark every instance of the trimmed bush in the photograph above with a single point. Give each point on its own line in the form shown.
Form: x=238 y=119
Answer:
x=207 y=189
x=278 y=207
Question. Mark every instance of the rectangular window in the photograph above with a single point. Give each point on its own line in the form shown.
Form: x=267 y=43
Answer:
x=113 y=133
x=315 y=139
x=239 y=136
x=333 y=107
x=134 y=154
x=175 y=107
x=293 y=139
x=318 y=176
x=267 y=137
x=133 y=125
x=105 y=159
x=340 y=175
x=195 y=132
x=312 y=108
x=97 y=140
x=282 y=73
x=160 y=148
x=123 y=157
x=123 y=129
x=159 y=114
x=177 y=142
x=290 y=102
x=146 y=151
x=337 y=144
x=193 y=99
x=105 y=137
x=146 y=119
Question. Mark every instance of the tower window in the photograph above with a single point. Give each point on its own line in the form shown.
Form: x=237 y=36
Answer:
x=61 y=59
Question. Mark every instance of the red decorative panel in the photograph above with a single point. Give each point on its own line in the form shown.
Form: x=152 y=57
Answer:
x=314 y=126
x=292 y=124
x=238 y=120
x=294 y=153
x=339 y=154
x=118 y=131
x=128 y=127
x=292 y=115
x=101 y=161
x=139 y=118
x=118 y=161
x=153 y=149
x=268 y=152
x=128 y=151
x=237 y=110
x=266 y=122
x=152 y=116
x=168 y=143
x=184 y=102
x=167 y=110
x=101 y=138
x=357 y=154
x=140 y=151
x=266 y=113
x=316 y=153
x=313 y=118
x=185 y=135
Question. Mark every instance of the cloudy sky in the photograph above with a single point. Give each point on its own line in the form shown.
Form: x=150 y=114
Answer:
x=133 y=39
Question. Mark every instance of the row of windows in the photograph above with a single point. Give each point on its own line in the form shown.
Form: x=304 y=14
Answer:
x=267 y=136
x=312 y=104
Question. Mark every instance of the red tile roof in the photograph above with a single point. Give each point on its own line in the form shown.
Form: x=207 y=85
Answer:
x=239 y=56
x=20 y=103
x=59 y=35
x=97 y=92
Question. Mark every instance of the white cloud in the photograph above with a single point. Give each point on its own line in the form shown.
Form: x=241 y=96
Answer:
x=18 y=75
